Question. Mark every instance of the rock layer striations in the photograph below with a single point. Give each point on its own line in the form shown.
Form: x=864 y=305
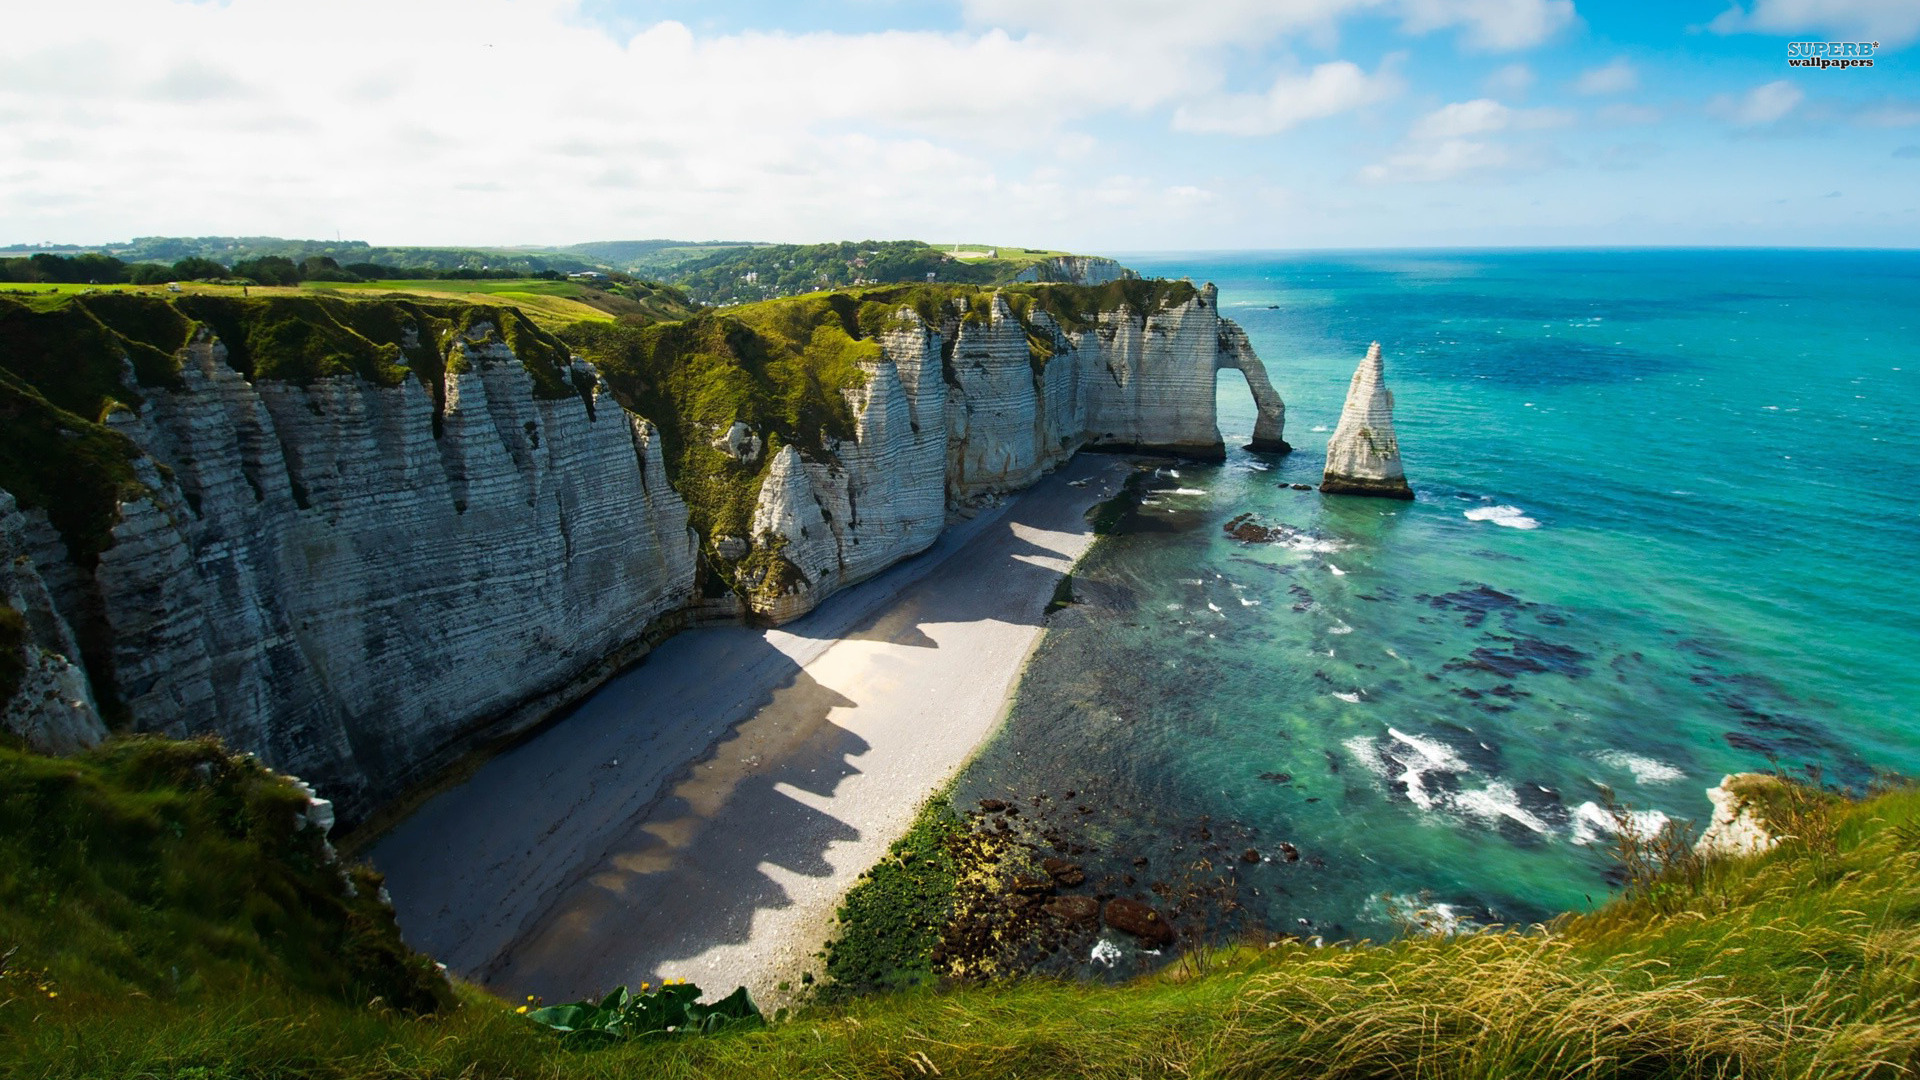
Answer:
x=360 y=574
x=1363 y=454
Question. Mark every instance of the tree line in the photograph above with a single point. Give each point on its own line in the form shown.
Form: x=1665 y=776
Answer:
x=91 y=268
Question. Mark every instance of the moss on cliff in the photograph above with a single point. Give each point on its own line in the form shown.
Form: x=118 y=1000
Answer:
x=781 y=368
x=74 y=469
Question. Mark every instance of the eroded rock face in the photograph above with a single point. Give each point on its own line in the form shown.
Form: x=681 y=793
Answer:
x=53 y=707
x=963 y=411
x=1076 y=270
x=322 y=582
x=1736 y=827
x=1363 y=454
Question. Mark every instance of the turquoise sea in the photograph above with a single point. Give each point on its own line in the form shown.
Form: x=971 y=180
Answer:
x=1667 y=527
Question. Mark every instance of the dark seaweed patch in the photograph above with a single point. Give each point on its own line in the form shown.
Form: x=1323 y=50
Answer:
x=1527 y=656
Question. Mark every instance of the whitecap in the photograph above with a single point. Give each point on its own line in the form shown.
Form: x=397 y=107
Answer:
x=1105 y=953
x=1337 y=572
x=1420 y=757
x=1343 y=628
x=1186 y=491
x=1511 y=516
x=1419 y=915
x=1591 y=823
x=1175 y=473
x=1191 y=581
x=1213 y=607
x=1244 y=602
x=1645 y=770
x=1351 y=699
x=1259 y=466
x=1367 y=753
x=1495 y=801
x=1173 y=607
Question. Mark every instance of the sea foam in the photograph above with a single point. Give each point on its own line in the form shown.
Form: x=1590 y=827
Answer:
x=1511 y=516
x=1645 y=770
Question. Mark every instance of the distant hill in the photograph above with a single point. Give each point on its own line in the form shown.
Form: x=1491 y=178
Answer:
x=228 y=250
x=710 y=271
x=654 y=258
x=776 y=270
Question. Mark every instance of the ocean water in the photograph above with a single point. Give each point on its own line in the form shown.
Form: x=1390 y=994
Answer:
x=1667 y=527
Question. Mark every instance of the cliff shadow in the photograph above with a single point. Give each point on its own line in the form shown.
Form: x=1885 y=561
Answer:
x=692 y=872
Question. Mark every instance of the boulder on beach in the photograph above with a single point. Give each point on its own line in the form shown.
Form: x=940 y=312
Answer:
x=1363 y=454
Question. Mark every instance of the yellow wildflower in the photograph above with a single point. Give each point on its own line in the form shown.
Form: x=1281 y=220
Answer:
x=521 y=1009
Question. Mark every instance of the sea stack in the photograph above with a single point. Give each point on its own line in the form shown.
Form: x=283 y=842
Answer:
x=1363 y=456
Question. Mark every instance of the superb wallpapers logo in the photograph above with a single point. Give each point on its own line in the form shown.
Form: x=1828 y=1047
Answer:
x=1839 y=55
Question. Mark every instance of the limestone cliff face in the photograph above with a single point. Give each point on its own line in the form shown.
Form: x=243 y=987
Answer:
x=359 y=580
x=52 y=706
x=323 y=582
x=1076 y=270
x=1009 y=401
x=1363 y=454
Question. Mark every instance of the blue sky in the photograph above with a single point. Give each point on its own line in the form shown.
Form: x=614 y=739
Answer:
x=1097 y=125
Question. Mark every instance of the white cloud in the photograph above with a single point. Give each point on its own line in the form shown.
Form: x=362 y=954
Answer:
x=1452 y=140
x=1439 y=161
x=1496 y=25
x=1482 y=116
x=1158 y=25
x=1463 y=118
x=1890 y=114
x=1327 y=90
x=1764 y=104
x=496 y=121
x=1512 y=80
x=1614 y=78
x=1890 y=22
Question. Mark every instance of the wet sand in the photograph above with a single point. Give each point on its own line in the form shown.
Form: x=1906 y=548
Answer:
x=701 y=815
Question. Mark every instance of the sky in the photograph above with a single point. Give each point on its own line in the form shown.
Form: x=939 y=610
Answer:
x=1085 y=125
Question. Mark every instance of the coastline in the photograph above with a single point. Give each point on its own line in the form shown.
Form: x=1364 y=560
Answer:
x=701 y=815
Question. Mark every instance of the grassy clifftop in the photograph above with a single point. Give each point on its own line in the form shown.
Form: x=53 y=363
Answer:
x=158 y=890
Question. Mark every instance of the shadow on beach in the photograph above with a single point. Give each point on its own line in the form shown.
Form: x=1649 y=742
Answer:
x=684 y=798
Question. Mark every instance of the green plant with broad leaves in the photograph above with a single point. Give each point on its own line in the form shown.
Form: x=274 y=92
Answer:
x=674 y=1009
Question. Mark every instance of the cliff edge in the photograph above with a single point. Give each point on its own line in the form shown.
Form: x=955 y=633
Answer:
x=360 y=538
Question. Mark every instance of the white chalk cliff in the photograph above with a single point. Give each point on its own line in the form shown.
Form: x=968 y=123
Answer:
x=1363 y=453
x=319 y=578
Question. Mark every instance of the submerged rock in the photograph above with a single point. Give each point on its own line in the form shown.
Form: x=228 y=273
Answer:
x=1363 y=454
x=1140 y=920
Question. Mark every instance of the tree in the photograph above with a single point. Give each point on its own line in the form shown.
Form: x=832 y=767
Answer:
x=268 y=270
x=194 y=268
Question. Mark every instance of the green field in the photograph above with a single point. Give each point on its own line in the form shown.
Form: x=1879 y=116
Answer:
x=551 y=304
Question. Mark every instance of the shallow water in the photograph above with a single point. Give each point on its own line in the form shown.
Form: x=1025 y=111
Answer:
x=1666 y=529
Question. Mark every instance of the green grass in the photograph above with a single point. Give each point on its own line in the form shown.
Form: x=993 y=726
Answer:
x=189 y=933
x=158 y=871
